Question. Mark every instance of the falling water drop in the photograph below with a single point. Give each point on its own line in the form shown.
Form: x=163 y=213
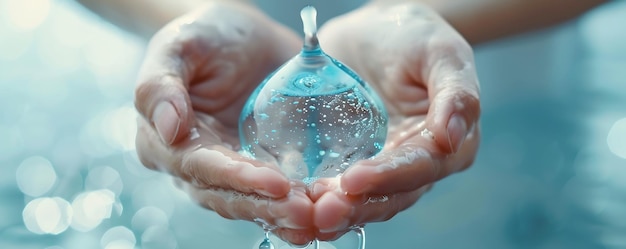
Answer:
x=266 y=243
x=360 y=231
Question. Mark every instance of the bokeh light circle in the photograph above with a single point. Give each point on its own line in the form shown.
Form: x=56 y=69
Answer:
x=27 y=14
x=119 y=237
x=35 y=176
x=616 y=139
x=47 y=215
x=104 y=177
x=158 y=237
x=91 y=208
x=147 y=217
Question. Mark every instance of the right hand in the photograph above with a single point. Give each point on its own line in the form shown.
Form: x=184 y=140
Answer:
x=424 y=72
x=196 y=76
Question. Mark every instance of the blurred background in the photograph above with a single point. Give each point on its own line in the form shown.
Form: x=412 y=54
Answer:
x=551 y=172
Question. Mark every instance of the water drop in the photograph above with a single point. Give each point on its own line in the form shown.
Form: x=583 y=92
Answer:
x=322 y=104
x=266 y=243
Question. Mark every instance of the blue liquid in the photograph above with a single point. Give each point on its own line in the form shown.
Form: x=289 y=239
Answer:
x=312 y=136
x=266 y=243
x=313 y=117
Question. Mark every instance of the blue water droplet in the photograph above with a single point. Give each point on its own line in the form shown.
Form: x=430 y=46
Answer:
x=313 y=98
x=266 y=244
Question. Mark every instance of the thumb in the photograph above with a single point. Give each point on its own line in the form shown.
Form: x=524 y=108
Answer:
x=454 y=96
x=161 y=96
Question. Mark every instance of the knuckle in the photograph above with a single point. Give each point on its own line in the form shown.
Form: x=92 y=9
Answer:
x=155 y=88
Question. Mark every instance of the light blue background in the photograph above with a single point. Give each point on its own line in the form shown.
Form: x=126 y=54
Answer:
x=551 y=172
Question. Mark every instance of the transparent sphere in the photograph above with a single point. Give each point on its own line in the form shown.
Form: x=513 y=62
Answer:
x=313 y=117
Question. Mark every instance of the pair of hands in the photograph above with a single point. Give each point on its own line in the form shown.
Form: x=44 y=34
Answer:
x=200 y=69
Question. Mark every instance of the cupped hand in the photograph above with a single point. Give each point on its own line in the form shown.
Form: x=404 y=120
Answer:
x=196 y=76
x=424 y=72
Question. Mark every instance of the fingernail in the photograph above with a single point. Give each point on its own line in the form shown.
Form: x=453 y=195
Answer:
x=166 y=121
x=457 y=129
x=318 y=189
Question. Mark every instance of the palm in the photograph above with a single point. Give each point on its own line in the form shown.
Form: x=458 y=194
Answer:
x=386 y=57
x=423 y=71
x=203 y=66
x=228 y=52
x=225 y=52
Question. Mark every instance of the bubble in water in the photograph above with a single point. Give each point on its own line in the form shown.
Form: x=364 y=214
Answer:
x=307 y=82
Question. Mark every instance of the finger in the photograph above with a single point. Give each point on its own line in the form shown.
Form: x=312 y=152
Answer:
x=453 y=91
x=206 y=167
x=411 y=165
x=299 y=238
x=289 y=218
x=220 y=167
x=292 y=211
x=336 y=212
x=161 y=95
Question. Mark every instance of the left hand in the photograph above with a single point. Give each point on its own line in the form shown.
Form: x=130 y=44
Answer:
x=424 y=72
x=194 y=81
